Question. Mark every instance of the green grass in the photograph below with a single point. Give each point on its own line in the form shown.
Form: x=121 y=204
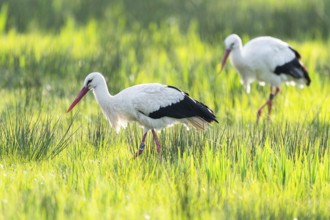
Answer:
x=55 y=165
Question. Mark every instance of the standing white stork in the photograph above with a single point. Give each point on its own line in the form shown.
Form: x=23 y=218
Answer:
x=267 y=60
x=154 y=106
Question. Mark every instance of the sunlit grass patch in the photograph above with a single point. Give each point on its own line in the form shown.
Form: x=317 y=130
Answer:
x=31 y=137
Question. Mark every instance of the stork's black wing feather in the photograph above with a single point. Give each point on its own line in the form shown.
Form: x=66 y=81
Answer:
x=294 y=68
x=187 y=107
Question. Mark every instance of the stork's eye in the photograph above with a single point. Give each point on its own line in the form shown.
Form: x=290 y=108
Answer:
x=232 y=45
x=89 y=81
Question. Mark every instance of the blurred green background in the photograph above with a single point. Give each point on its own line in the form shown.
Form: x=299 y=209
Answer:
x=283 y=18
x=43 y=40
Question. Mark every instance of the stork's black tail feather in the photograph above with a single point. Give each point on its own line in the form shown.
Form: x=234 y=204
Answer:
x=306 y=75
x=206 y=113
x=302 y=67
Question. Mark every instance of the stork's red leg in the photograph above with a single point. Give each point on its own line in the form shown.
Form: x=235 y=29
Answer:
x=142 y=145
x=269 y=102
x=159 y=148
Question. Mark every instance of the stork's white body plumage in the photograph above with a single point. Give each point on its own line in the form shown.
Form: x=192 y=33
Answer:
x=137 y=102
x=267 y=60
x=154 y=106
x=258 y=59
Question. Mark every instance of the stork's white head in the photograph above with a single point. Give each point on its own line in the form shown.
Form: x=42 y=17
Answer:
x=232 y=42
x=92 y=81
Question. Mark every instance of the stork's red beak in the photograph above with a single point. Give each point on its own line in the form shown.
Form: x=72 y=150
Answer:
x=223 y=62
x=81 y=94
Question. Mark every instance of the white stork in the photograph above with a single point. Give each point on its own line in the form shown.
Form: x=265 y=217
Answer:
x=267 y=60
x=154 y=106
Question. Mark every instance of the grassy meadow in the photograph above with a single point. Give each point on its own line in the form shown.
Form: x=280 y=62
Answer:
x=55 y=165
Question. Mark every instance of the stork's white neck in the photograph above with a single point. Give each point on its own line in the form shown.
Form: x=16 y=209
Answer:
x=236 y=55
x=102 y=95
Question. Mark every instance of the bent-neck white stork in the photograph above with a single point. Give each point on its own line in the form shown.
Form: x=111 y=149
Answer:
x=267 y=60
x=154 y=106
